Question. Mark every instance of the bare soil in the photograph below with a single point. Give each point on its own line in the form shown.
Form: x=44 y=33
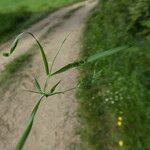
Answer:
x=55 y=123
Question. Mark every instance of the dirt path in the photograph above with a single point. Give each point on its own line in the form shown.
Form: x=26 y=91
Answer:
x=54 y=125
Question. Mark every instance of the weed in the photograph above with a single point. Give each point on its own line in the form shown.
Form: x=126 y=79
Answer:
x=21 y=14
x=11 y=69
x=122 y=87
x=46 y=91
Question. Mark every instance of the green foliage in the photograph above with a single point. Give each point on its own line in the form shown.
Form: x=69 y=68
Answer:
x=37 y=85
x=90 y=59
x=11 y=70
x=117 y=85
x=16 y=15
x=43 y=92
x=15 y=43
x=28 y=128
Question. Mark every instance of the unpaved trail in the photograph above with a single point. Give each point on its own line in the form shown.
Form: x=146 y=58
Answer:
x=39 y=29
x=54 y=126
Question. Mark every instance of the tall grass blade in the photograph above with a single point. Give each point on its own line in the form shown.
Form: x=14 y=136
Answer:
x=58 y=52
x=69 y=66
x=90 y=59
x=106 y=53
x=37 y=85
x=62 y=92
x=54 y=87
x=34 y=92
x=13 y=46
x=15 y=43
x=46 y=83
x=28 y=128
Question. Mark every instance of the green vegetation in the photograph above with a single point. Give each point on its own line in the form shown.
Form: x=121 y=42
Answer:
x=113 y=93
x=47 y=92
x=10 y=71
x=116 y=86
x=16 y=15
x=16 y=66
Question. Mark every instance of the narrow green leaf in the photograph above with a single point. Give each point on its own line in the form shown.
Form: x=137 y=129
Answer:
x=28 y=128
x=13 y=46
x=58 y=52
x=54 y=87
x=56 y=93
x=69 y=66
x=106 y=53
x=46 y=83
x=62 y=92
x=15 y=43
x=33 y=92
x=37 y=85
x=90 y=59
x=43 y=55
x=6 y=54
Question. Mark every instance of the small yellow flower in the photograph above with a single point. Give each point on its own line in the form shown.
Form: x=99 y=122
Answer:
x=121 y=143
x=119 y=123
x=120 y=118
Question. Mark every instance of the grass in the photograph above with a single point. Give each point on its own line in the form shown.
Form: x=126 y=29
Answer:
x=12 y=69
x=46 y=92
x=114 y=106
x=117 y=85
x=21 y=14
x=16 y=66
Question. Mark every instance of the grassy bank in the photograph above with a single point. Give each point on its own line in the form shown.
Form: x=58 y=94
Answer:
x=16 y=15
x=117 y=86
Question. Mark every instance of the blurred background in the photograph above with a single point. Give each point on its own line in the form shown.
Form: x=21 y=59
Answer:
x=16 y=15
x=114 y=93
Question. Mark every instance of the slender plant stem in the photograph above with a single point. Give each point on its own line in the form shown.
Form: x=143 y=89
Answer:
x=28 y=128
x=58 y=52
